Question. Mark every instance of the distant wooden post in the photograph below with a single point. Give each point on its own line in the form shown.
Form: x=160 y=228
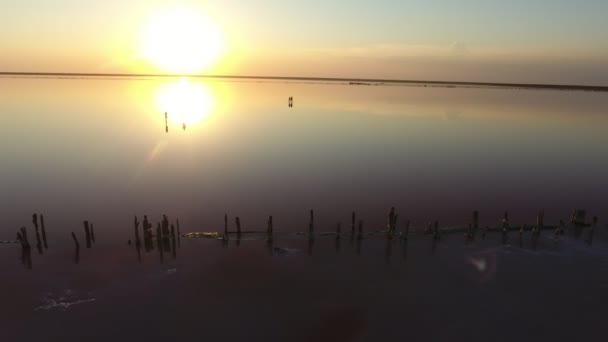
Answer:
x=172 y=231
x=43 y=232
x=225 y=226
x=136 y=229
x=75 y=240
x=311 y=224
x=339 y=230
x=87 y=233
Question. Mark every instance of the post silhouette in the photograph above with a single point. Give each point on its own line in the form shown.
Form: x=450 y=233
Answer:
x=87 y=233
x=46 y=246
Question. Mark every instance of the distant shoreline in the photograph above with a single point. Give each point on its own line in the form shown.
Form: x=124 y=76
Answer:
x=351 y=81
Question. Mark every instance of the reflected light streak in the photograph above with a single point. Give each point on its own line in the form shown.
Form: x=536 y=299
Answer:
x=185 y=102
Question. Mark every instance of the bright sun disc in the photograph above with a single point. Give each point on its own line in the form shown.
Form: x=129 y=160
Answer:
x=181 y=41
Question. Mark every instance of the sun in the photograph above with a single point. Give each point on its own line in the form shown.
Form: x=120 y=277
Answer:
x=181 y=41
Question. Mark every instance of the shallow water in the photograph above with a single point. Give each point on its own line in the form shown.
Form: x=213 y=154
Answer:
x=96 y=149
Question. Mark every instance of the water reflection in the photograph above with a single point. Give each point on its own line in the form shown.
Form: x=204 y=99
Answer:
x=184 y=103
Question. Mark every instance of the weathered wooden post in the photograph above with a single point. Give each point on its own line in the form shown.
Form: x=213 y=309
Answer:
x=75 y=240
x=136 y=230
x=238 y=227
x=311 y=224
x=43 y=232
x=87 y=233
x=391 y=221
x=159 y=242
x=166 y=124
x=38 y=240
x=173 y=246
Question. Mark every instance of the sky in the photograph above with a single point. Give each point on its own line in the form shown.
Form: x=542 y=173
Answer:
x=532 y=41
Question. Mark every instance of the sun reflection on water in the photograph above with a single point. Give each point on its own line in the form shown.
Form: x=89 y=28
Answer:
x=185 y=102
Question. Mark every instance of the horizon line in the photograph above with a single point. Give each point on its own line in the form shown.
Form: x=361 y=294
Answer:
x=325 y=79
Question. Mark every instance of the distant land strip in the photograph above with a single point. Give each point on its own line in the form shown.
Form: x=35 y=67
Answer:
x=357 y=81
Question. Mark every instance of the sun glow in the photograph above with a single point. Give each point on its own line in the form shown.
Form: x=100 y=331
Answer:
x=181 y=41
x=185 y=102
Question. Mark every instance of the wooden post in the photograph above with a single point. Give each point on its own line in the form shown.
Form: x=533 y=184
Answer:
x=172 y=231
x=87 y=233
x=339 y=230
x=159 y=242
x=311 y=224
x=38 y=240
x=225 y=226
x=166 y=124
x=75 y=240
x=25 y=243
x=136 y=229
x=43 y=232
x=391 y=220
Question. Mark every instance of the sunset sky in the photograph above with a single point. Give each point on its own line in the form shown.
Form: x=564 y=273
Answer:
x=544 y=41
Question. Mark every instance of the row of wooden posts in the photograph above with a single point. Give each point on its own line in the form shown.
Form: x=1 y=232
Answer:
x=577 y=219
x=168 y=235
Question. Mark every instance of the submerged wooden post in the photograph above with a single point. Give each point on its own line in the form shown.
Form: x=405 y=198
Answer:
x=75 y=240
x=311 y=224
x=338 y=230
x=87 y=233
x=46 y=246
x=225 y=226
x=38 y=240
x=136 y=229
x=159 y=242
x=391 y=220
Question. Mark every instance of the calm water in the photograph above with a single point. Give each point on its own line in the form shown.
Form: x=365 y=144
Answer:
x=97 y=150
